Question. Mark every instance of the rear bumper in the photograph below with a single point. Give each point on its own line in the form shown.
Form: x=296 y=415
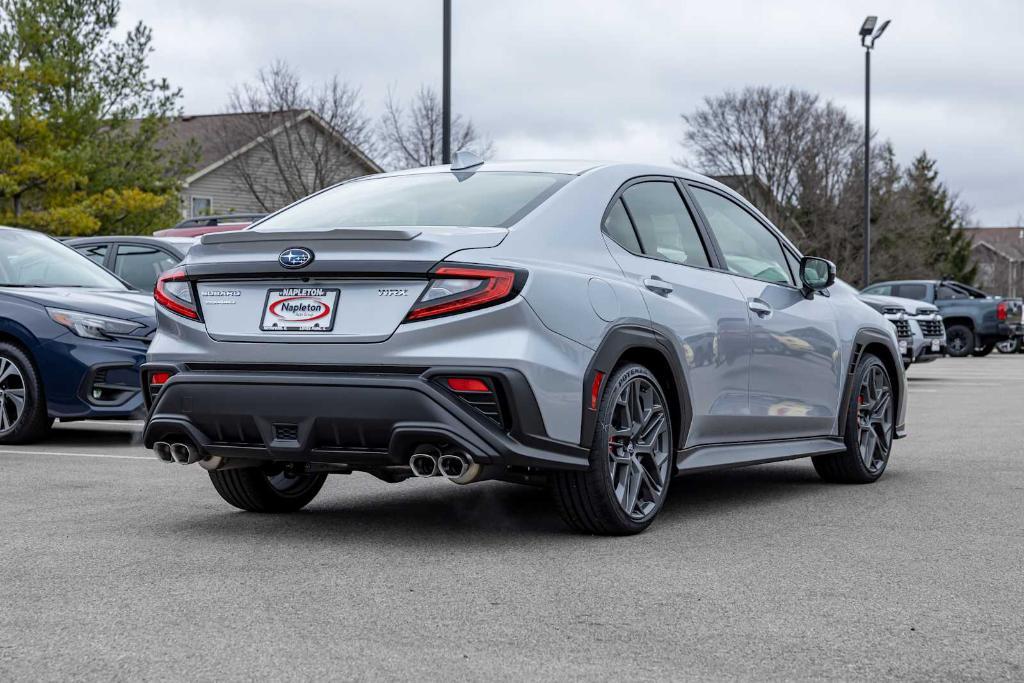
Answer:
x=364 y=417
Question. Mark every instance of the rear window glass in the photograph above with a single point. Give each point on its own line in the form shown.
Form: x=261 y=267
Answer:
x=484 y=199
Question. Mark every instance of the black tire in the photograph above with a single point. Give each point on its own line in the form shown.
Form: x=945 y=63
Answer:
x=260 y=490
x=28 y=422
x=851 y=467
x=959 y=341
x=1009 y=345
x=589 y=500
x=983 y=350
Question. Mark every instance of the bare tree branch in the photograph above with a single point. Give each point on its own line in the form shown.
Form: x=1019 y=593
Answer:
x=410 y=135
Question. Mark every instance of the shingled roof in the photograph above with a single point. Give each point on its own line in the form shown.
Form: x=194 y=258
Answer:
x=212 y=132
x=1007 y=241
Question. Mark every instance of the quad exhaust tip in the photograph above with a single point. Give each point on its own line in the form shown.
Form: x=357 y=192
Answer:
x=423 y=462
x=162 y=450
x=183 y=453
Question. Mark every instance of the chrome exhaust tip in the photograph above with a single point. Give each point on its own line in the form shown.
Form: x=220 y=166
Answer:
x=185 y=454
x=452 y=466
x=162 y=450
x=423 y=464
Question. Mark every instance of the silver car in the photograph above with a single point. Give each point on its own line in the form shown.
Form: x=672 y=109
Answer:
x=597 y=328
x=919 y=327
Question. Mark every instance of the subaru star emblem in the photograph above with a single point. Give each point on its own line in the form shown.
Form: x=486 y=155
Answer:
x=296 y=257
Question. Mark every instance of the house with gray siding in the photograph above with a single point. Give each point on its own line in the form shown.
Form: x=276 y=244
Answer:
x=258 y=162
x=999 y=253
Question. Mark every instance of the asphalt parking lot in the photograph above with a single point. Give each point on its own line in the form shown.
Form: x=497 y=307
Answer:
x=116 y=566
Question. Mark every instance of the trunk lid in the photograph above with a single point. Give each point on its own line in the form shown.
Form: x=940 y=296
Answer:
x=358 y=285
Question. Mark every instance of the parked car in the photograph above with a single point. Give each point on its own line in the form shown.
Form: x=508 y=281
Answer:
x=205 y=225
x=975 y=322
x=72 y=338
x=596 y=327
x=136 y=260
x=919 y=327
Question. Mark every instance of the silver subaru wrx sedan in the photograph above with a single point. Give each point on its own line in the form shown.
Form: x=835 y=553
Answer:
x=598 y=328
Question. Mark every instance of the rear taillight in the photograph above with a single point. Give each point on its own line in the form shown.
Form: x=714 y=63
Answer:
x=457 y=289
x=174 y=293
x=1001 y=310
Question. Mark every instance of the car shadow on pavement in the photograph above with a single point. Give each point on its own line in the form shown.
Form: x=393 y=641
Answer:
x=90 y=437
x=439 y=512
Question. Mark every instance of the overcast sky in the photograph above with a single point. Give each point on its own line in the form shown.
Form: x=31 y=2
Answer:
x=608 y=78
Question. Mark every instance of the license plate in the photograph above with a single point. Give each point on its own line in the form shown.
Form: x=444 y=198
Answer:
x=936 y=345
x=300 y=309
x=903 y=347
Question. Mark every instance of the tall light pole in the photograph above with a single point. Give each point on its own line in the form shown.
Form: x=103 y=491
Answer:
x=446 y=87
x=868 y=36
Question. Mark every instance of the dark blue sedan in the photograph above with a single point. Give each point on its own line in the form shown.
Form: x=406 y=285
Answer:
x=72 y=338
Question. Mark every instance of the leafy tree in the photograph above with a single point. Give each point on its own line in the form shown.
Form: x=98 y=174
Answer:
x=81 y=122
x=949 y=246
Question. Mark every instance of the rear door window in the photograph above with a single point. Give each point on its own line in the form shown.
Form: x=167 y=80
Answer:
x=665 y=228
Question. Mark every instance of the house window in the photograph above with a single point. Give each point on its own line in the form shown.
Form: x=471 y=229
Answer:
x=201 y=206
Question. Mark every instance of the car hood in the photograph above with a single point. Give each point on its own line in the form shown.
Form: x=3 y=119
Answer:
x=911 y=306
x=122 y=304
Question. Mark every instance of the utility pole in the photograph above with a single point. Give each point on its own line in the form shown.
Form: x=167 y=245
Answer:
x=868 y=36
x=446 y=87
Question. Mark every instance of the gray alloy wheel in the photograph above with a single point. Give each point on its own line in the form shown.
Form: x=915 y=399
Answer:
x=12 y=395
x=638 y=449
x=875 y=419
x=869 y=431
x=632 y=459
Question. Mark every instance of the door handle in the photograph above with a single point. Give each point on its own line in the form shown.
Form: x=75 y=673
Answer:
x=761 y=308
x=657 y=285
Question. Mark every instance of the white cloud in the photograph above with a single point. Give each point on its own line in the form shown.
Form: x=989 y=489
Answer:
x=609 y=78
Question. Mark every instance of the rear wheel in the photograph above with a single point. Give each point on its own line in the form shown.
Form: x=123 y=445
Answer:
x=630 y=462
x=1009 y=345
x=870 y=427
x=23 y=415
x=959 y=340
x=262 y=490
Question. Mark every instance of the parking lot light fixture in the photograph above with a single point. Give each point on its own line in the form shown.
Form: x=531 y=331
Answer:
x=868 y=36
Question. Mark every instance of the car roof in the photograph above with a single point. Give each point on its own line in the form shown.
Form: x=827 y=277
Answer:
x=182 y=244
x=566 y=166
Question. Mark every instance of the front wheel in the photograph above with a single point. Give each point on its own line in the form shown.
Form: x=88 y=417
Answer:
x=23 y=415
x=631 y=459
x=267 y=490
x=870 y=427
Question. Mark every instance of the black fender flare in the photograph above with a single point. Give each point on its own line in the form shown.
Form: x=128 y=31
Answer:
x=617 y=342
x=867 y=336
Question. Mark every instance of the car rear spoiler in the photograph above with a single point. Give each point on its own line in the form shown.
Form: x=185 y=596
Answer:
x=242 y=236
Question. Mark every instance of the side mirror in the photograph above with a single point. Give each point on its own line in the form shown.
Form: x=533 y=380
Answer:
x=816 y=273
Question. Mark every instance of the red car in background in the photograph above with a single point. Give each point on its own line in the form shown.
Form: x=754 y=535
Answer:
x=203 y=225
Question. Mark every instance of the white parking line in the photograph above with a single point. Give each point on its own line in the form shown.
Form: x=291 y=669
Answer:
x=4 y=451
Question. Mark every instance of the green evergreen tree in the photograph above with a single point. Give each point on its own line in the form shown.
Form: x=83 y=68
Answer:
x=80 y=122
x=949 y=247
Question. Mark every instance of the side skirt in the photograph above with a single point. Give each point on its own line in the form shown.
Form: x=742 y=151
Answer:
x=722 y=456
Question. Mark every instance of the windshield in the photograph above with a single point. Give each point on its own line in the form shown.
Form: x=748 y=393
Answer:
x=486 y=200
x=31 y=259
